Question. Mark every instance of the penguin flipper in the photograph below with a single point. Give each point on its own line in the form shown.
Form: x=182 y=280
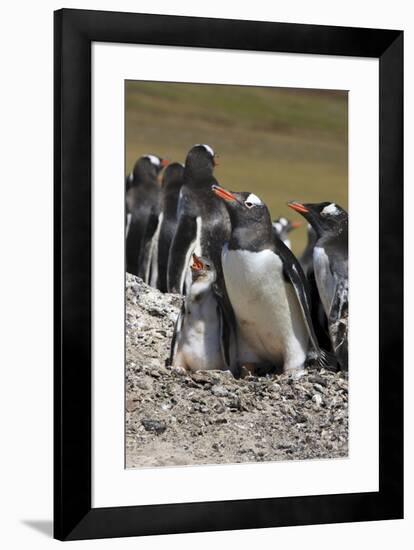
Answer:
x=180 y=252
x=294 y=274
x=144 y=260
x=176 y=334
x=164 y=243
x=323 y=358
x=227 y=324
x=133 y=245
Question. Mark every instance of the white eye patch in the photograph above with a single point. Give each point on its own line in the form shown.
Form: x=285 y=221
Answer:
x=153 y=159
x=330 y=210
x=283 y=221
x=278 y=227
x=206 y=147
x=253 y=199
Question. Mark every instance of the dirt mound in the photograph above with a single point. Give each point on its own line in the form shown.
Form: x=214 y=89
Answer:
x=173 y=418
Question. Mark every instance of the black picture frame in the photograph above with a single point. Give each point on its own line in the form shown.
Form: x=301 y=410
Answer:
x=74 y=33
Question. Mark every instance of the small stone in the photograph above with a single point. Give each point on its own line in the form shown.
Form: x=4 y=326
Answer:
x=297 y=374
x=234 y=402
x=143 y=384
x=201 y=377
x=342 y=384
x=131 y=405
x=318 y=380
x=178 y=371
x=220 y=420
x=155 y=426
x=317 y=399
x=219 y=391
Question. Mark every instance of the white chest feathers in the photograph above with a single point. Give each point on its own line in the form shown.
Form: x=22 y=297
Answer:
x=324 y=279
x=199 y=345
x=269 y=318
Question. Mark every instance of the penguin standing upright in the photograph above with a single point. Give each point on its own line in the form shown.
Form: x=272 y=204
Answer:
x=142 y=207
x=283 y=227
x=201 y=341
x=330 y=264
x=267 y=289
x=203 y=224
x=172 y=182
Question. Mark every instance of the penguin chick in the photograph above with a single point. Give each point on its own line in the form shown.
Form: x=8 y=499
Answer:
x=198 y=336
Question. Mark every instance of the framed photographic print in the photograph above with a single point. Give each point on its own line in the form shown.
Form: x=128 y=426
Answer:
x=228 y=274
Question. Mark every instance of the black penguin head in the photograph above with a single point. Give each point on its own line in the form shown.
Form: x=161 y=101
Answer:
x=203 y=270
x=146 y=168
x=324 y=217
x=172 y=174
x=201 y=159
x=244 y=208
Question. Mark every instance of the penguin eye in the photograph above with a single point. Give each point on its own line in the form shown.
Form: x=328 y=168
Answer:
x=248 y=204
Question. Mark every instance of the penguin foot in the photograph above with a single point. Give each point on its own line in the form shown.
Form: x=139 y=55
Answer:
x=248 y=369
x=323 y=360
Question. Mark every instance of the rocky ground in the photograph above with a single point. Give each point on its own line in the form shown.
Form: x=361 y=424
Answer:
x=173 y=418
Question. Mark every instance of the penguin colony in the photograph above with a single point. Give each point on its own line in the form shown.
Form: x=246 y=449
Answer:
x=250 y=305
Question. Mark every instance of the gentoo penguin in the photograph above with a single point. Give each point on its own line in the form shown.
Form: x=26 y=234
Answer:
x=138 y=173
x=199 y=341
x=142 y=204
x=283 y=227
x=266 y=288
x=330 y=264
x=203 y=224
x=172 y=181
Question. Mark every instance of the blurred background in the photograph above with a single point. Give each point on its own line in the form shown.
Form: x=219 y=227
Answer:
x=280 y=143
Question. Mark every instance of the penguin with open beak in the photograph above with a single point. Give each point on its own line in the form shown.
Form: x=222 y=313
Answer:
x=203 y=224
x=266 y=288
x=330 y=264
x=203 y=339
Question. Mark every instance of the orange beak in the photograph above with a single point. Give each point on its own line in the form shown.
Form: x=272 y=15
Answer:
x=298 y=207
x=295 y=225
x=197 y=264
x=164 y=162
x=223 y=193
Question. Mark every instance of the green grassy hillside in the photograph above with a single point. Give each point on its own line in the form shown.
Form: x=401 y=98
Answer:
x=279 y=143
